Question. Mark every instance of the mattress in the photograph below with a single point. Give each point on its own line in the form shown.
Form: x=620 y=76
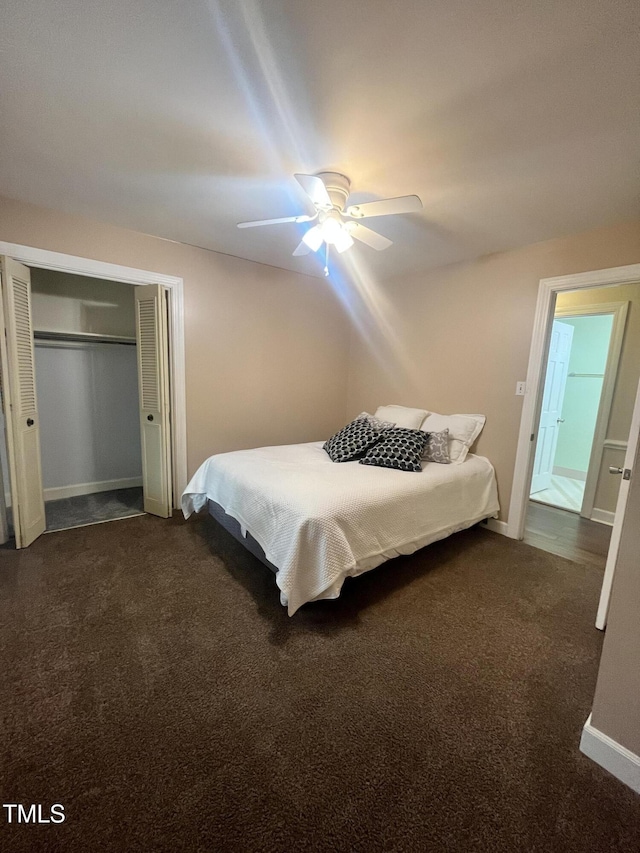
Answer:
x=319 y=522
x=243 y=536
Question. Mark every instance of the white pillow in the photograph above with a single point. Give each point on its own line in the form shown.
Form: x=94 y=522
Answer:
x=376 y=423
x=402 y=416
x=463 y=431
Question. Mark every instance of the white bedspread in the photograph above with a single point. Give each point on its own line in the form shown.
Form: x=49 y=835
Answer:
x=319 y=521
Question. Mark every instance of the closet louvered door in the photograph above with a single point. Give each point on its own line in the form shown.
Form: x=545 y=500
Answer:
x=153 y=381
x=21 y=410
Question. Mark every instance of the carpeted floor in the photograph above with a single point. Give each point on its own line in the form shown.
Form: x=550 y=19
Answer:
x=154 y=686
x=89 y=509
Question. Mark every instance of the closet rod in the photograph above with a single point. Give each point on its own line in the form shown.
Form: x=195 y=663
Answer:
x=80 y=337
x=589 y=375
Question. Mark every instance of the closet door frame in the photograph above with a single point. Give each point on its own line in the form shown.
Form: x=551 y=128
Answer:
x=33 y=257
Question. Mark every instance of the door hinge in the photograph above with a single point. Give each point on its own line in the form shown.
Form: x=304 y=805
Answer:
x=626 y=474
x=533 y=435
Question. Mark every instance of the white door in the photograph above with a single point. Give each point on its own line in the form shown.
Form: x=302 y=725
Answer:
x=4 y=469
x=552 y=399
x=153 y=382
x=630 y=463
x=21 y=411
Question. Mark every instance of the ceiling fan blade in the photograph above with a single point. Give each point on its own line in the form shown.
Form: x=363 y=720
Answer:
x=316 y=190
x=256 y=222
x=301 y=249
x=386 y=206
x=366 y=235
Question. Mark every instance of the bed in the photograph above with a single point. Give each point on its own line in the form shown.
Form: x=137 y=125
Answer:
x=316 y=522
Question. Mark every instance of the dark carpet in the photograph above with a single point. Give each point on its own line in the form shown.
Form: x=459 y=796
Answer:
x=89 y=509
x=153 y=685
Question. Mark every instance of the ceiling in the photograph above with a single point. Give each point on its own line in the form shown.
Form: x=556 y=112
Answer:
x=514 y=121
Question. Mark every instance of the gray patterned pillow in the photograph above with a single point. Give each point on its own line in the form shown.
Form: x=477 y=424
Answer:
x=376 y=423
x=437 y=449
x=352 y=441
x=398 y=448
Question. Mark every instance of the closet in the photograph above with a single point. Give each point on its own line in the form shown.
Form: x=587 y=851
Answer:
x=90 y=439
x=85 y=381
x=87 y=389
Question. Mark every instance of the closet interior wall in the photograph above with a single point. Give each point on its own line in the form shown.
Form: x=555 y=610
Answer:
x=86 y=383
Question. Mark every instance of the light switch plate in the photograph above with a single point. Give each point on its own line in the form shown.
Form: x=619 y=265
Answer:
x=521 y=387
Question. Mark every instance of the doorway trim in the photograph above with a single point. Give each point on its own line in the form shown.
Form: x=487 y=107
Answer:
x=545 y=309
x=45 y=259
x=619 y=311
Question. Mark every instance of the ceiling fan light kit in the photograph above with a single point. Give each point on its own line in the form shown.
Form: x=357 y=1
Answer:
x=313 y=238
x=329 y=193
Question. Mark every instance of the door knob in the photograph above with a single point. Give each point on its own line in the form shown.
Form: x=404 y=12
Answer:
x=30 y=421
x=149 y=417
x=560 y=421
x=614 y=470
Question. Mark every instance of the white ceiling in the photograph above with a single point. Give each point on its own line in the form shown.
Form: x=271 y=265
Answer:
x=514 y=120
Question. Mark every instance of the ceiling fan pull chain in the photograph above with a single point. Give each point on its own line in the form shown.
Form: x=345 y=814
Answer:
x=326 y=260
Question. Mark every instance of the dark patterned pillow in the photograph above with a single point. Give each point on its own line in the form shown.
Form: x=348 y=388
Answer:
x=437 y=448
x=398 y=448
x=352 y=441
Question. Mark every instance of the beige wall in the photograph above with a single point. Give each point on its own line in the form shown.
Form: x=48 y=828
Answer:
x=265 y=348
x=61 y=302
x=626 y=381
x=616 y=705
x=457 y=339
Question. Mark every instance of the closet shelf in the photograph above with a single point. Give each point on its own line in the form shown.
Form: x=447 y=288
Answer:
x=82 y=337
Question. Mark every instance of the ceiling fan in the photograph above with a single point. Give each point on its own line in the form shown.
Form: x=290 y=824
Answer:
x=337 y=225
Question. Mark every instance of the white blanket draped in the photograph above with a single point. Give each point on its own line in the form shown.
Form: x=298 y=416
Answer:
x=319 y=521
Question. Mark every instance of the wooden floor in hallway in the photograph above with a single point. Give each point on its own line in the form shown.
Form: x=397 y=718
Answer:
x=567 y=534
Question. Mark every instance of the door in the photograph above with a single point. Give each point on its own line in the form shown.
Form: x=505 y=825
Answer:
x=552 y=398
x=4 y=468
x=153 y=384
x=630 y=463
x=20 y=405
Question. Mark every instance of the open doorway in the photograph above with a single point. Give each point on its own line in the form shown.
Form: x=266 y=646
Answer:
x=591 y=372
x=616 y=446
x=581 y=371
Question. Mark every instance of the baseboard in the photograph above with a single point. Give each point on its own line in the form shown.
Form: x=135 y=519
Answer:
x=603 y=516
x=60 y=492
x=616 y=759
x=496 y=526
x=572 y=473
